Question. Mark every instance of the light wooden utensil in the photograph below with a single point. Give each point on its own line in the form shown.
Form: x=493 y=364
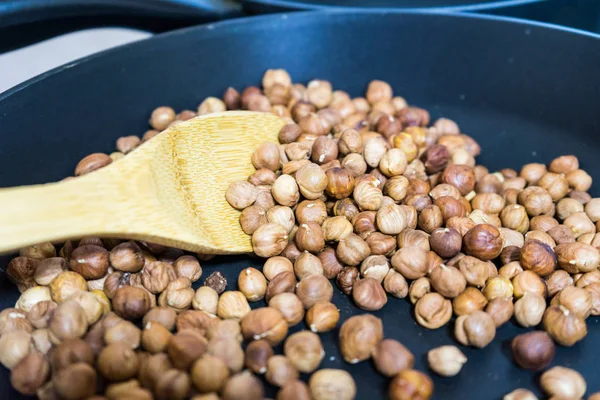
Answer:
x=170 y=191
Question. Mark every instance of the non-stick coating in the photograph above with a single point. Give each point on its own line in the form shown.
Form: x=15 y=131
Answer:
x=455 y=5
x=526 y=92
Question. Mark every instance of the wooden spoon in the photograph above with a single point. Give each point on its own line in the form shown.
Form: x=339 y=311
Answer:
x=169 y=191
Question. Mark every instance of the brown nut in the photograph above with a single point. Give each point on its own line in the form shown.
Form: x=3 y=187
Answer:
x=368 y=294
x=563 y=382
x=209 y=374
x=127 y=257
x=528 y=281
x=284 y=282
x=332 y=384
x=483 y=241
x=304 y=350
x=78 y=381
x=163 y=315
x=469 y=301
x=446 y=360
x=358 y=336
x=269 y=240
x=48 y=269
x=172 y=384
x=330 y=263
x=477 y=329
x=307 y=264
x=390 y=357
x=243 y=386
x=66 y=284
x=352 y=250
x=131 y=302
x=577 y=257
x=280 y=370
x=447 y=281
x=410 y=384
x=252 y=284
x=529 y=309
x=501 y=310
x=565 y=327
x=233 y=305
x=346 y=278
x=538 y=257
x=257 y=355
x=91 y=163
x=433 y=311
x=446 y=242
x=185 y=347
x=30 y=374
x=155 y=337
x=313 y=289
x=411 y=262
x=68 y=321
x=229 y=350
x=575 y=299
x=264 y=323
x=117 y=362
x=533 y=350
x=322 y=317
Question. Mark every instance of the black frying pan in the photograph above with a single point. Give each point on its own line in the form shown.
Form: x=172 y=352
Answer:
x=527 y=92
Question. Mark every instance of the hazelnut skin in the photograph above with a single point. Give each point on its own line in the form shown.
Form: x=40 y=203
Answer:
x=538 y=257
x=533 y=350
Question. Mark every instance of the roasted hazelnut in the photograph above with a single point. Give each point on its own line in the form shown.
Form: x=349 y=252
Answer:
x=411 y=262
x=577 y=257
x=258 y=353
x=280 y=370
x=461 y=176
x=114 y=281
x=66 y=284
x=501 y=309
x=566 y=207
x=475 y=271
x=38 y=251
x=313 y=289
x=241 y=194
x=540 y=236
x=594 y=290
x=346 y=278
x=557 y=281
x=418 y=288
x=225 y=329
x=294 y=390
x=435 y=158
x=30 y=374
x=210 y=373
x=172 y=384
x=155 y=276
x=529 y=309
x=48 y=269
x=563 y=382
x=477 y=329
x=433 y=311
x=340 y=183
x=265 y=323
x=117 y=362
x=512 y=269
x=358 y=337
x=393 y=162
x=93 y=305
x=483 y=241
x=290 y=307
x=205 y=299
x=275 y=265
x=281 y=283
x=232 y=305
x=469 y=301
x=533 y=350
x=536 y=200
x=528 y=281
x=368 y=294
x=30 y=297
x=185 y=347
x=514 y=216
x=410 y=384
x=352 y=250
x=587 y=279
x=91 y=163
x=345 y=207
x=542 y=223
x=447 y=281
x=229 y=351
x=131 y=302
x=374 y=149
x=127 y=257
x=364 y=223
x=575 y=299
x=510 y=254
x=350 y=142
x=395 y=284
x=331 y=266
x=390 y=357
x=243 y=386
x=579 y=180
x=163 y=315
x=375 y=267
x=309 y=237
x=252 y=284
x=533 y=172
x=538 y=257
x=336 y=228
x=41 y=340
x=155 y=337
x=332 y=384
x=78 y=381
x=304 y=350
x=269 y=240
x=446 y=360
x=197 y=320
x=446 y=242
x=430 y=218
x=211 y=105
x=410 y=237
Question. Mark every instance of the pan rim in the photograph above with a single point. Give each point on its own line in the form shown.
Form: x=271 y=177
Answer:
x=242 y=21
x=462 y=8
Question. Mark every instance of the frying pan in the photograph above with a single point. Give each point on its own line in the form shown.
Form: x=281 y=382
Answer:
x=527 y=92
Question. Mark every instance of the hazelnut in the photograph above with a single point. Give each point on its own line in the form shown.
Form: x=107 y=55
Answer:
x=284 y=282
x=281 y=215
x=538 y=257
x=561 y=234
x=39 y=251
x=30 y=297
x=395 y=284
x=163 y=315
x=410 y=384
x=117 y=362
x=229 y=351
x=446 y=242
x=336 y=228
x=577 y=257
x=520 y=394
x=461 y=176
x=566 y=207
x=68 y=321
x=374 y=149
x=411 y=262
x=528 y=281
x=433 y=311
x=435 y=158
x=91 y=305
x=446 y=360
x=257 y=355
x=313 y=289
x=358 y=336
x=41 y=340
x=447 y=281
x=131 y=302
x=322 y=317
x=161 y=117
x=290 y=307
x=307 y=264
x=280 y=370
x=232 y=305
x=330 y=263
x=418 y=288
x=72 y=351
x=30 y=374
x=269 y=240
x=194 y=319
x=310 y=211
x=217 y=282
x=498 y=286
x=475 y=271
x=592 y=209
x=185 y=347
x=114 y=281
x=477 y=329
x=252 y=284
x=579 y=180
x=294 y=390
x=512 y=269
x=540 y=236
x=332 y=384
x=563 y=382
x=225 y=329
x=265 y=323
x=65 y=284
x=243 y=386
x=346 y=279
x=205 y=299
x=78 y=381
x=155 y=337
x=345 y=207
x=536 y=200
x=390 y=357
x=594 y=290
x=14 y=347
x=533 y=350
x=172 y=384
x=275 y=265
x=483 y=241
x=368 y=294
x=48 y=269
x=580 y=224
x=529 y=309
x=469 y=301
x=304 y=350
x=178 y=294
x=501 y=309
x=557 y=281
x=209 y=374
x=575 y=299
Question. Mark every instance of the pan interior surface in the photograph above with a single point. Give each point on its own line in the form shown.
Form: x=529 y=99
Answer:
x=525 y=92
x=389 y=4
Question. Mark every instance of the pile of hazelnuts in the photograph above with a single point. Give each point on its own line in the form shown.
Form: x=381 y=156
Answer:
x=361 y=191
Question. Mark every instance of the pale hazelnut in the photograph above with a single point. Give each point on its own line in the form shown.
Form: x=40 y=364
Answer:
x=30 y=297
x=290 y=307
x=294 y=390
x=229 y=350
x=178 y=294
x=269 y=240
x=225 y=329
x=274 y=265
x=497 y=286
x=520 y=394
x=124 y=332
x=477 y=329
x=232 y=305
x=68 y=321
x=252 y=284
x=163 y=315
x=476 y=272
x=557 y=281
x=433 y=311
x=280 y=370
x=536 y=200
x=332 y=384
x=501 y=310
x=563 y=382
x=540 y=236
x=594 y=290
x=418 y=288
x=395 y=284
x=529 y=309
x=91 y=305
x=14 y=347
x=375 y=267
x=528 y=281
x=195 y=319
x=65 y=284
x=577 y=257
x=447 y=281
x=313 y=289
x=575 y=299
x=411 y=262
x=579 y=180
x=510 y=270
x=446 y=360
x=48 y=269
